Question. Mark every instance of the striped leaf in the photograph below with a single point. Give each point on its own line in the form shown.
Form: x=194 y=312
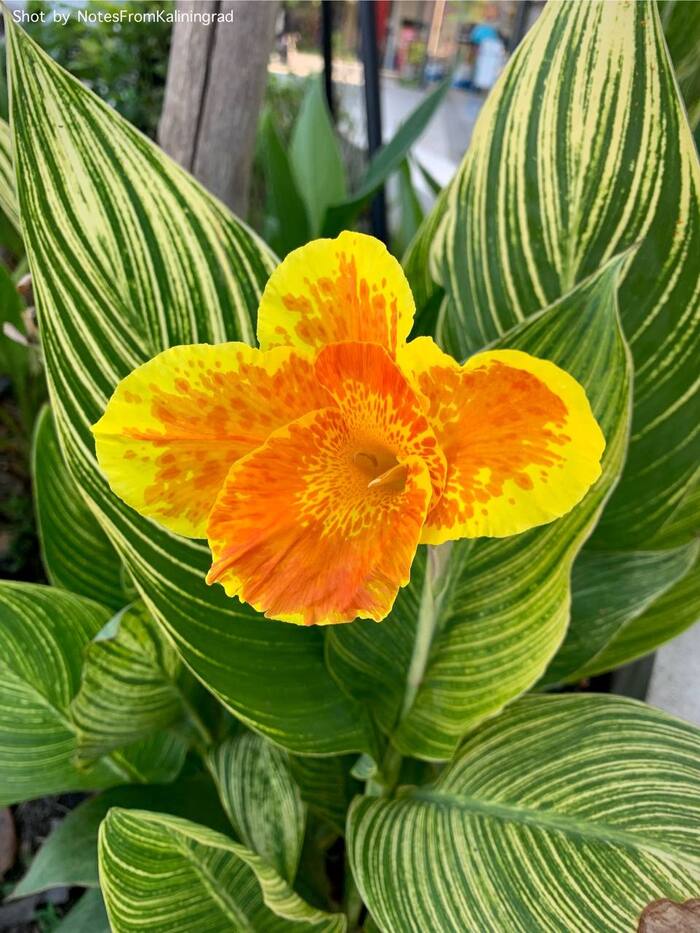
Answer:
x=43 y=632
x=77 y=554
x=684 y=522
x=129 y=255
x=168 y=875
x=582 y=149
x=610 y=590
x=681 y=22
x=419 y=262
x=8 y=195
x=129 y=688
x=473 y=632
x=68 y=857
x=262 y=799
x=565 y=813
x=667 y=617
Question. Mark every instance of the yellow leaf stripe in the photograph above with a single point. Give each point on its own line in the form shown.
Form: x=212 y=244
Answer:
x=8 y=197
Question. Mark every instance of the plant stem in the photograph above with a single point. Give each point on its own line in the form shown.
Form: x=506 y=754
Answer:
x=196 y=720
x=352 y=902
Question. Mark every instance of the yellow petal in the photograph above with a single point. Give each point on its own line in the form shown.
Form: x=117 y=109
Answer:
x=174 y=426
x=521 y=442
x=329 y=291
x=300 y=533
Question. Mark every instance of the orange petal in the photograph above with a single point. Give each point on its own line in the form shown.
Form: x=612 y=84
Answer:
x=329 y=291
x=380 y=405
x=298 y=532
x=521 y=442
x=175 y=425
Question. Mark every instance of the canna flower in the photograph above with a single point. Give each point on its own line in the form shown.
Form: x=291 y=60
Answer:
x=316 y=464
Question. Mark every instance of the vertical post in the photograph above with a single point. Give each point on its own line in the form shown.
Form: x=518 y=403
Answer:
x=368 y=45
x=327 y=48
x=520 y=26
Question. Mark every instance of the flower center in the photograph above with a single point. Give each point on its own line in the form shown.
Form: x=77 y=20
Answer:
x=380 y=468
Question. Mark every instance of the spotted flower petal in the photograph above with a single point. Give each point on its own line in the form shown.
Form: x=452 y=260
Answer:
x=302 y=531
x=330 y=291
x=175 y=425
x=521 y=442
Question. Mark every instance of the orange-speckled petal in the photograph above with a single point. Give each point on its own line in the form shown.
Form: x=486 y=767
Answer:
x=349 y=288
x=521 y=442
x=175 y=425
x=306 y=532
x=380 y=404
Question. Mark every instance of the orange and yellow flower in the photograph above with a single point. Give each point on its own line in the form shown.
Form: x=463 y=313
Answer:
x=317 y=464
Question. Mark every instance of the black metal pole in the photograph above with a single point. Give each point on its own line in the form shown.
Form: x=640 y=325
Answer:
x=370 y=62
x=327 y=46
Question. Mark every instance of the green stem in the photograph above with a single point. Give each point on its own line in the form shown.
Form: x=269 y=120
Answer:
x=432 y=597
x=196 y=720
x=352 y=902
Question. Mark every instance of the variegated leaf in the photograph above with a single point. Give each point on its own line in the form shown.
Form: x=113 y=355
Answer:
x=610 y=590
x=129 y=255
x=8 y=196
x=262 y=799
x=582 y=149
x=129 y=687
x=76 y=552
x=169 y=875
x=667 y=617
x=565 y=813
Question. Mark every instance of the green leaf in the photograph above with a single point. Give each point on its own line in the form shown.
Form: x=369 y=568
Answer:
x=129 y=255
x=156 y=759
x=326 y=786
x=609 y=591
x=173 y=876
x=583 y=149
x=129 y=689
x=430 y=180
x=670 y=615
x=285 y=213
x=681 y=23
x=410 y=210
x=385 y=161
x=43 y=632
x=315 y=157
x=8 y=195
x=478 y=625
x=68 y=857
x=565 y=813
x=14 y=357
x=77 y=554
x=262 y=799
x=684 y=522
x=418 y=261
x=88 y=916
